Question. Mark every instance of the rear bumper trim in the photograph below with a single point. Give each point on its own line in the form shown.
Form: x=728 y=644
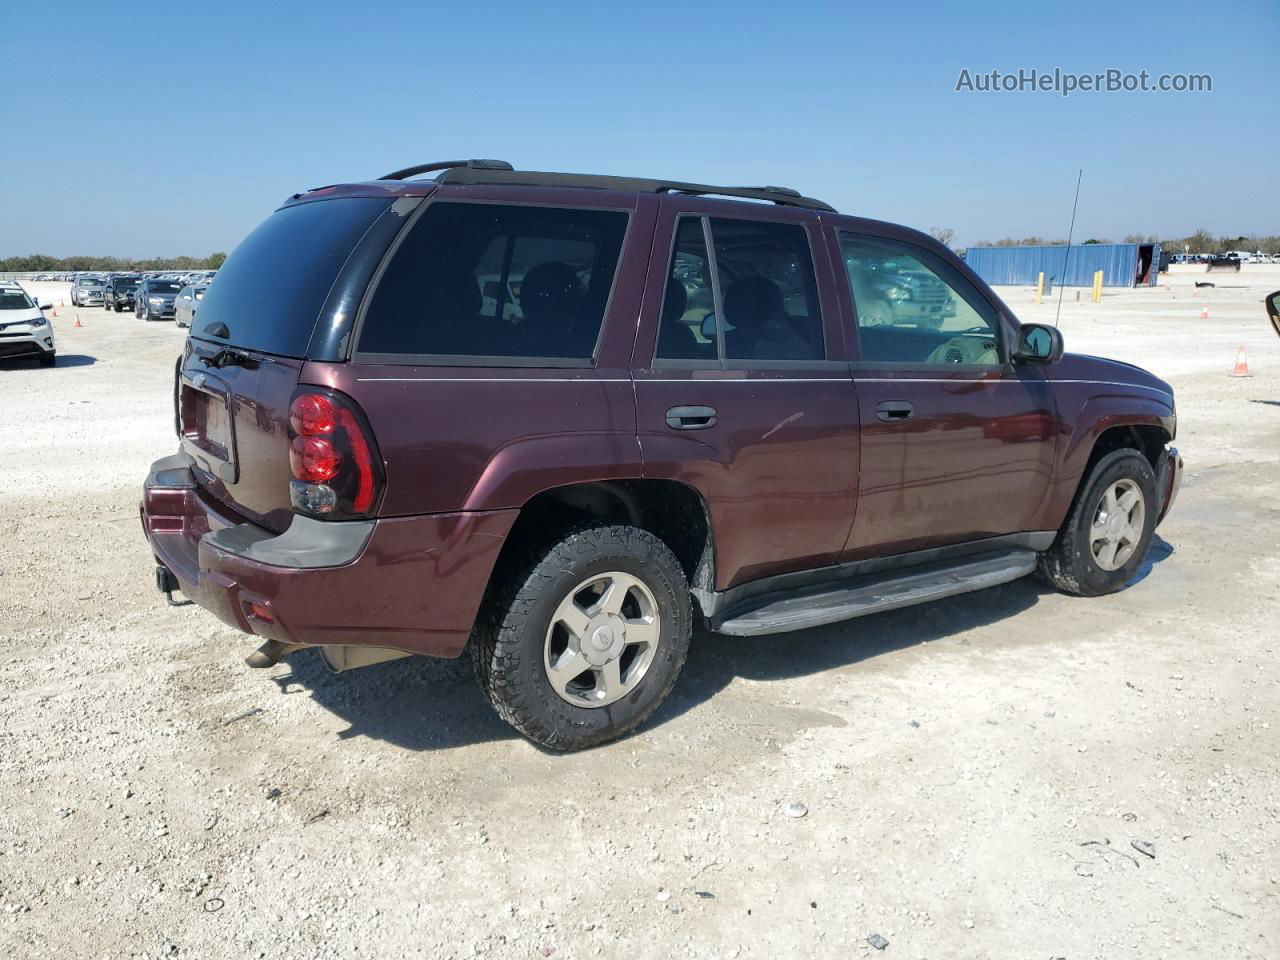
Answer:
x=409 y=583
x=306 y=545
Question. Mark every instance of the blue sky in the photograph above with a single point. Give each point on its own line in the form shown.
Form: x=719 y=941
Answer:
x=146 y=129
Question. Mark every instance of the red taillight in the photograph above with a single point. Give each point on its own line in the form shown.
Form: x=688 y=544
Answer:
x=313 y=459
x=332 y=456
x=312 y=415
x=363 y=498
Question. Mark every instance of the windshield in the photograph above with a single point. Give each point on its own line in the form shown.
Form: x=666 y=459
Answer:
x=90 y=281
x=126 y=284
x=11 y=299
x=269 y=293
x=164 y=286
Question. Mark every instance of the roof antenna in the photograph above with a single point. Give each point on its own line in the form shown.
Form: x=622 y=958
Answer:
x=1067 y=256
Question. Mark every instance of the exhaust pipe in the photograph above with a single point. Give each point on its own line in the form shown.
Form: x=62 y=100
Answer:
x=271 y=653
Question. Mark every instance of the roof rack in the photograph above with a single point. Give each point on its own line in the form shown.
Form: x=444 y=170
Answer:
x=408 y=172
x=499 y=173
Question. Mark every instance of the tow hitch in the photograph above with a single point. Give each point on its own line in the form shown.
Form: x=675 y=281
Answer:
x=166 y=583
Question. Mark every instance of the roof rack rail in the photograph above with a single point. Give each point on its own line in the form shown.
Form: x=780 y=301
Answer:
x=471 y=173
x=408 y=172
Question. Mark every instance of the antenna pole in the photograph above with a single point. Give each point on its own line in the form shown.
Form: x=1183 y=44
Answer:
x=1067 y=255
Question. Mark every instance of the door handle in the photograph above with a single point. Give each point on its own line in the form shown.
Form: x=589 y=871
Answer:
x=895 y=411
x=691 y=418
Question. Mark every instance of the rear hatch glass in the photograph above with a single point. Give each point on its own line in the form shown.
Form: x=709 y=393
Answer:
x=233 y=408
x=268 y=294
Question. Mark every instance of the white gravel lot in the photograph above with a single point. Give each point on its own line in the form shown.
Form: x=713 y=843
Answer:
x=978 y=773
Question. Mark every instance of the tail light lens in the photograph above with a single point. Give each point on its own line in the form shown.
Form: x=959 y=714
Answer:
x=313 y=459
x=336 y=468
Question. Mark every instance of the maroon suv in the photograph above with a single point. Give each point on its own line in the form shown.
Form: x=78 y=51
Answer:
x=552 y=418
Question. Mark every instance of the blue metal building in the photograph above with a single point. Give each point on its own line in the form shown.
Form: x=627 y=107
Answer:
x=1122 y=264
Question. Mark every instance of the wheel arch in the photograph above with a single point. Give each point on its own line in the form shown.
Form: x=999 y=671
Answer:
x=672 y=511
x=1147 y=426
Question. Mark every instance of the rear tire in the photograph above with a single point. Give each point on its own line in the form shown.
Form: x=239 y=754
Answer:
x=1103 y=542
x=522 y=636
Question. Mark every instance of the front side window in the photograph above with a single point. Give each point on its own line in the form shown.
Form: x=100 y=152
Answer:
x=768 y=306
x=912 y=308
x=497 y=280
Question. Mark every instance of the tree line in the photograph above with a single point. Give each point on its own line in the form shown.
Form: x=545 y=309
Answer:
x=1202 y=241
x=39 y=263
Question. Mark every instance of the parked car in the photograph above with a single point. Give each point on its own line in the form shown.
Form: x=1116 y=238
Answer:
x=154 y=299
x=24 y=329
x=119 y=292
x=86 y=291
x=1273 y=311
x=189 y=298
x=376 y=460
x=1216 y=262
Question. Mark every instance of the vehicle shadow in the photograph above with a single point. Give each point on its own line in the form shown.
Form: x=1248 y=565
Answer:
x=62 y=360
x=1159 y=551
x=426 y=704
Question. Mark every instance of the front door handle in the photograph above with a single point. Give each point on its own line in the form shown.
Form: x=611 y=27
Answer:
x=895 y=411
x=691 y=418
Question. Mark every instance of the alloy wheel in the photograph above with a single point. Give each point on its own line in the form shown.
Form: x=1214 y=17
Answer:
x=1117 y=525
x=602 y=639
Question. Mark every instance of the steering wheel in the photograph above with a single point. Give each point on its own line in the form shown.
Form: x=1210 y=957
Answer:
x=966 y=349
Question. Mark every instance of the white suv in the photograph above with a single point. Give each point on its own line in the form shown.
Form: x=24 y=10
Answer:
x=24 y=329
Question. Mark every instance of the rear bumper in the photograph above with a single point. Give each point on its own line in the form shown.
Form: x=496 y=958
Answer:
x=1168 y=479
x=411 y=583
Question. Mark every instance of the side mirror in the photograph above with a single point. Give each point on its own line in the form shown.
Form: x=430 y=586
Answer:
x=1273 y=310
x=1038 y=344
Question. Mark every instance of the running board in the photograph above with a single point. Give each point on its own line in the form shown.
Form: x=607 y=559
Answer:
x=833 y=602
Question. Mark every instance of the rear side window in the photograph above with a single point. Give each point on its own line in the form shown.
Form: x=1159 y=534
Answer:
x=269 y=293
x=761 y=273
x=497 y=281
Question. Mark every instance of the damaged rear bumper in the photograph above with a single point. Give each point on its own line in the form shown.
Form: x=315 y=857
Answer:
x=409 y=583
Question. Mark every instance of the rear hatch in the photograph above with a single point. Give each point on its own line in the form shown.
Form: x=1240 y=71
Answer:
x=256 y=327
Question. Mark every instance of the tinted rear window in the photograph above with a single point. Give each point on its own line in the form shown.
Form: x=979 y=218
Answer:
x=497 y=281
x=270 y=290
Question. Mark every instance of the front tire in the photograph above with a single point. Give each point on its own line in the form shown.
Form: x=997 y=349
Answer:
x=48 y=359
x=580 y=643
x=1107 y=533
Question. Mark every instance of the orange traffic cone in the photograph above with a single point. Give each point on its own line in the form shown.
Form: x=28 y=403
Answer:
x=77 y=323
x=55 y=311
x=1204 y=314
x=1242 y=364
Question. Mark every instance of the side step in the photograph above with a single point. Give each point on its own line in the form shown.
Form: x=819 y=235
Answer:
x=833 y=602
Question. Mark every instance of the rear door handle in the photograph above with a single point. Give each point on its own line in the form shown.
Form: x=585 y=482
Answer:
x=894 y=411
x=691 y=418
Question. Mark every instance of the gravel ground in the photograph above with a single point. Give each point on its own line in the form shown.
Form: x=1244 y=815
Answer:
x=1010 y=774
